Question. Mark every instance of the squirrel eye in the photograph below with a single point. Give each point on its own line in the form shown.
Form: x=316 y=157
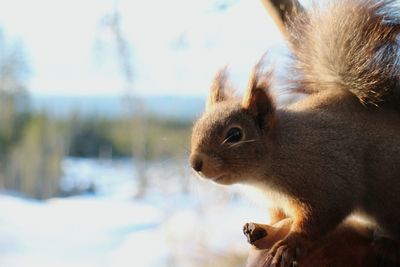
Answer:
x=234 y=135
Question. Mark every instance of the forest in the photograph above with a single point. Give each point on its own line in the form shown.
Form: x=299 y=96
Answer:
x=34 y=143
x=81 y=188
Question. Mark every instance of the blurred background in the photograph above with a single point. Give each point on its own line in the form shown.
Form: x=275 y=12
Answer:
x=97 y=101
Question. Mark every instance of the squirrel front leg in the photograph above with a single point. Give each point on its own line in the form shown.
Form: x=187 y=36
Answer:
x=255 y=231
x=276 y=215
x=309 y=224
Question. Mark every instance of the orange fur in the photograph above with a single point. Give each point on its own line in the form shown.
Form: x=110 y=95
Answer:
x=348 y=245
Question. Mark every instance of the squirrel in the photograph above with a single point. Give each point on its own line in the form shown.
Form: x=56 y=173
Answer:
x=335 y=152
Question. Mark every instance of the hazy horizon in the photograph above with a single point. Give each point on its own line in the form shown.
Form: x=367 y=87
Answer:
x=171 y=48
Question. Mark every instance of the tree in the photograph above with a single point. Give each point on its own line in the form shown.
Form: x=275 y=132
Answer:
x=13 y=99
x=31 y=149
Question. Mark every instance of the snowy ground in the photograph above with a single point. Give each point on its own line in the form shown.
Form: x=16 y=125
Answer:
x=110 y=228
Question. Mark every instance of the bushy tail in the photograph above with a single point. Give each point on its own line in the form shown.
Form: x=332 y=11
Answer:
x=351 y=45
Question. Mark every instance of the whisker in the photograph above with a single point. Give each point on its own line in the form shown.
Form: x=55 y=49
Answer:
x=180 y=144
x=242 y=142
x=226 y=140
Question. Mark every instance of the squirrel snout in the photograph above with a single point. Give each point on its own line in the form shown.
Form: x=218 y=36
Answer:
x=196 y=162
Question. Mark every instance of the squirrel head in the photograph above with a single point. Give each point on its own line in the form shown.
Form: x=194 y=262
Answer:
x=232 y=139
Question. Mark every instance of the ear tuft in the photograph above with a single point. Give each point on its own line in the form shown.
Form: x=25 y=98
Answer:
x=257 y=99
x=220 y=89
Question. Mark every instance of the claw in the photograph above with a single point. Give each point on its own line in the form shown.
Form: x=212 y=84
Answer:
x=268 y=260
x=284 y=252
x=253 y=232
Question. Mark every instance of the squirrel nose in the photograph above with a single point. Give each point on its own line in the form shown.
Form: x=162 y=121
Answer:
x=196 y=162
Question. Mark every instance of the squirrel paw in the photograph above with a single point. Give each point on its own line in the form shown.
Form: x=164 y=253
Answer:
x=253 y=232
x=286 y=251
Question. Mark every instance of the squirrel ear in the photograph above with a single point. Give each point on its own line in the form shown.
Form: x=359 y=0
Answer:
x=220 y=90
x=257 y=99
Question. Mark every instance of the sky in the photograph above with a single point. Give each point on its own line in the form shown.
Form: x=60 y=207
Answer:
x=175 y=47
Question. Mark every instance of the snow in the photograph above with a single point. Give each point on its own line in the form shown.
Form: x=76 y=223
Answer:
x=111 y=228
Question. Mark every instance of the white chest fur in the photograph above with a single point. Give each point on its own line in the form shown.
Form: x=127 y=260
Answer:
x=268 y=198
